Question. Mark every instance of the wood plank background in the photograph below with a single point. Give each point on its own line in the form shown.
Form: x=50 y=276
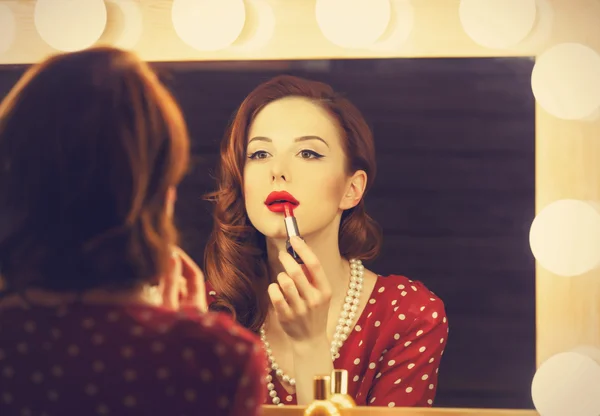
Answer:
x=454 y=193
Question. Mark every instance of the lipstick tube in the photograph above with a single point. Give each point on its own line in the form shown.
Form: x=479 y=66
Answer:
x=291 y=228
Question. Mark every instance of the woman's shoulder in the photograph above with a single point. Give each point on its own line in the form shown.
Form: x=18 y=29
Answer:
x=409 y=301
x=399 y=286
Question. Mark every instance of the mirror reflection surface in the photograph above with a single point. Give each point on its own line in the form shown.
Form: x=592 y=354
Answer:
x=454 y=193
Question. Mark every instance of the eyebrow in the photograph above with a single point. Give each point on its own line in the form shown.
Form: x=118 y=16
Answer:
x=296 y=140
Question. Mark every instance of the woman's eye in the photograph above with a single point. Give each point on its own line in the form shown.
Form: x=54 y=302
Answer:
x=310 y=154
x=260 y=154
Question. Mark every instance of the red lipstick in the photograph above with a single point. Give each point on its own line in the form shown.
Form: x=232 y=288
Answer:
x=291 y=228
x=276 y=199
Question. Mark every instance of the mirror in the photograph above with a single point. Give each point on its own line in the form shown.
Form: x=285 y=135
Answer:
x=454 y=194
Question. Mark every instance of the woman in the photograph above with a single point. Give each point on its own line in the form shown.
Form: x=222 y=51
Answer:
x=92 y=147
x=300 y=137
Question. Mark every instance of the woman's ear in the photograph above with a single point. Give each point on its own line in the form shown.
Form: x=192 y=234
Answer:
x=355 y=190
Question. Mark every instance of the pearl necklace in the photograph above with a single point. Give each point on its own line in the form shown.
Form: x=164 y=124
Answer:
x=343 y=328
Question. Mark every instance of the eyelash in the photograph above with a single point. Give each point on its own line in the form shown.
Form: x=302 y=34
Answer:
x=314 y=154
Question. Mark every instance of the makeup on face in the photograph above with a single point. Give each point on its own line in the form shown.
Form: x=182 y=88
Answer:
x=284 y=202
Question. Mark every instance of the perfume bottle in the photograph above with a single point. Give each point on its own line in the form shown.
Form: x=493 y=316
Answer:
x=321 y=406
x=339 y=390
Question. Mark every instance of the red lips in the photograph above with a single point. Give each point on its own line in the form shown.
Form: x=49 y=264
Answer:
x=281 y=197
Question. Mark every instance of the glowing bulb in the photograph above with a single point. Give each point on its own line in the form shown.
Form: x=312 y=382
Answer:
x=567 y=384
x=126 y=23
x=259 y=27
x=497 y=24
x=400 y=27
x=565 y=237
x=566 y=81
x=70 y=25
x=208 y=25
x=353 y=23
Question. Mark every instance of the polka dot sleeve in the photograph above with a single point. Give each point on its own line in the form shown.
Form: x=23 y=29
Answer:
x=408 y=372
x=251 y=392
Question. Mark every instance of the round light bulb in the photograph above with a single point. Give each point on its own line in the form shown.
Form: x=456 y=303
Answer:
x=208 y=25
x=566 y=81
x=126 y=15
x=567 y=384
x=497 y=24
x=565 y=237
x=70 y=25
x=353 y=23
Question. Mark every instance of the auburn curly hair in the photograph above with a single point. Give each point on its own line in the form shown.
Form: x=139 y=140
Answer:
x=235 y=256
x=90 y=144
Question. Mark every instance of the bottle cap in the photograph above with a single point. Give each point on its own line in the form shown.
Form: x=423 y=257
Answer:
x=321 y=387
x=339 y=382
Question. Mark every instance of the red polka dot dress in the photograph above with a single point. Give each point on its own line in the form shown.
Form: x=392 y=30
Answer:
x=127 y=360
x=393 y=353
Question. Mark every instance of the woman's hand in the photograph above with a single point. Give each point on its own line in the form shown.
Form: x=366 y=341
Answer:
x=184 y=285
x=301 y=299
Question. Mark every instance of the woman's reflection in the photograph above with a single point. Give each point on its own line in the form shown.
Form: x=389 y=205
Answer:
x=313 y=149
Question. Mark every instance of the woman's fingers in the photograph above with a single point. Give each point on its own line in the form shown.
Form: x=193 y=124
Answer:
x=291 y=294
x=307 y=291
x=194 y=281
x=282 y=309
x=171 y=284
x=313 y=265
x=183 y=285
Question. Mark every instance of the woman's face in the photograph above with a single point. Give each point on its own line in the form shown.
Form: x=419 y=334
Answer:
x=294 y=145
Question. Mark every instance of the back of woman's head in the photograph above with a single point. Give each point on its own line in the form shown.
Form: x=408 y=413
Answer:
x=235 y=256
x=90 y=144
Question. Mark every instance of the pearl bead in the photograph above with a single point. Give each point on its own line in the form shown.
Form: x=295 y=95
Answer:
x=344 y=327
